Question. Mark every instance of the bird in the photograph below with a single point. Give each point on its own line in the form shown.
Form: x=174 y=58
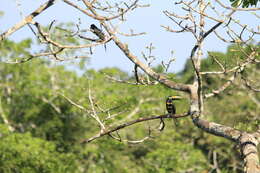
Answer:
x=170 y=107
x=97 y=32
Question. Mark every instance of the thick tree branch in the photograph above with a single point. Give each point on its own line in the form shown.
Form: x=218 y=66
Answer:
x=27 y=19
x=248 y=145
x=124 y=47
x=217 y=129
x=160 y=78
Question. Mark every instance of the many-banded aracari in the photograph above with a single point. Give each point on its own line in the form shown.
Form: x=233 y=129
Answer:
x=171 y=109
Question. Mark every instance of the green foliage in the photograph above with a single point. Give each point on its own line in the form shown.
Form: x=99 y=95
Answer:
x=11 y=51
x=175 y=157
x=26 y=154
x=244 y=3
x=49 y=128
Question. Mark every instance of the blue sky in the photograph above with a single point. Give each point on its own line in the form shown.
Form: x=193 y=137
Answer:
x=142 y=20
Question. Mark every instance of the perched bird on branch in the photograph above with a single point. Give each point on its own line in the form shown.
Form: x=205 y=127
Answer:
x=97 y=32
x=171 y=109
x=170 y=104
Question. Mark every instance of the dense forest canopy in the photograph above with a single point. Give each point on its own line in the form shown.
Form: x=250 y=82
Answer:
x=49 y=129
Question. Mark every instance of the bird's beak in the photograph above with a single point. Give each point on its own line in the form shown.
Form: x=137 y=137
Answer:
x=177 y=97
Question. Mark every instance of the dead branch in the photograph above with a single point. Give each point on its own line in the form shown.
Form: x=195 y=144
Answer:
x=139 y=120
x=249 y=85
x=99 y=17
x=160 y=78
x=222 y=88
x=27 y=19
x=32 y=56
x=48 y=40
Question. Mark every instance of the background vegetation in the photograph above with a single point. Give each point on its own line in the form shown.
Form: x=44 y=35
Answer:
x=44 y=129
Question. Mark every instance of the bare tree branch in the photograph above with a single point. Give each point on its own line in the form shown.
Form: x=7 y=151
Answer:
x=114 y=129
x=27 y=19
